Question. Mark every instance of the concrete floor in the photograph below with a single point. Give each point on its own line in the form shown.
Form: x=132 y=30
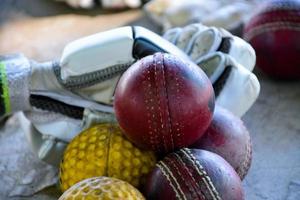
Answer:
x=274 y=123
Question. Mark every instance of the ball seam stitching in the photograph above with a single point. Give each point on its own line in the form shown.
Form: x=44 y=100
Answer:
x=271 y=27
x=174 y=184
x=178 y=126
x=168 y=103
x=195 y=191
x=148 y=90
x=201 y=171
x=159 y=102
x=281 y=6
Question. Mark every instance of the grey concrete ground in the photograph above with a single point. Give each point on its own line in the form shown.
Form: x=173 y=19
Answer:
x=274 y=123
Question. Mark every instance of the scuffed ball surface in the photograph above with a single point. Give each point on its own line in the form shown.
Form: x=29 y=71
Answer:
x=102 y=188
x=102 y=150
x=164 y=103
x=193 y=174
x=274 y=34
x=228 y=137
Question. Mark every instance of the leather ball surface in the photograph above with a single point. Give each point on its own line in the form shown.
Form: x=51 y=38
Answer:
x=228 y=137
x=193 y=174
x=163 y=103
x=274 y=34
x=103 y=150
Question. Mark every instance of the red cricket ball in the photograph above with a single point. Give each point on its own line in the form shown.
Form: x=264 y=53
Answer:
x=274 y=34
x=193 y=174
x=228 y=137
x=163 y=103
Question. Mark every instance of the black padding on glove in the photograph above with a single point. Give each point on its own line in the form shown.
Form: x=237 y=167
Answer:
x=52 y=105
x=225 y=45
x=143 y=47
x=219 y=84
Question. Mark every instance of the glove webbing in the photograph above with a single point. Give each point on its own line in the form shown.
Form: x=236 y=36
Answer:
x=225 y=45
x=219 y=84
x=49 y=104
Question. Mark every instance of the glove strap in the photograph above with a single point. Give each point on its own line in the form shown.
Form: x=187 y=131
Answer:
x=14 y=81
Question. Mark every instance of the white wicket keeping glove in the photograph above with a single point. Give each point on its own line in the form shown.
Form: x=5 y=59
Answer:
x=228 y=14
x=197 y=40
x=56 y=97
x=214 y=50
x=62 y=98
x=235 y=87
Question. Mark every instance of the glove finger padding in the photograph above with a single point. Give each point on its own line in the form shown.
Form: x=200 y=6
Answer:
x=213 y=49
x=239 y=49
x=204 y=42
x=209 y=39
x=235 y=87
x=227 y=14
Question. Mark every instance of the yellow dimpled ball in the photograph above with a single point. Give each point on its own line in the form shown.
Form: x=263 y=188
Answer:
x=102 y=150
x=102 y=188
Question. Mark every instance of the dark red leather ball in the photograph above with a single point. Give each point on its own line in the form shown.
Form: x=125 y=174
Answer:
x=274 y=34
x=193 y=174
x=228 y=137
x=163 y=103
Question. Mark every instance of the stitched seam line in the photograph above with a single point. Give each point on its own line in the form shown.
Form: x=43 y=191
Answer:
x=243 y=169
x=196 y=190
x=168 y=104
x=159 y=102
x=281 y=6
x=205 y=178
x=205 y=190
x=174 y=184
x=147 y=89
x=185 y=182
x=291 y=18
x=159 y=107
x=271 y=27
x=178 y=174
x=178 y=127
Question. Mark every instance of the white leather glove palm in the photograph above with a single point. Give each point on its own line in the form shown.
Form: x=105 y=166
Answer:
x=214 y=50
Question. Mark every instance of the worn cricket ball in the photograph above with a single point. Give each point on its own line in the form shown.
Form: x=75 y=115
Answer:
x=163 y=103
x=193 y=174
x=102 y=188
x=228 y=137
x=274 y=34
x=102 y=150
